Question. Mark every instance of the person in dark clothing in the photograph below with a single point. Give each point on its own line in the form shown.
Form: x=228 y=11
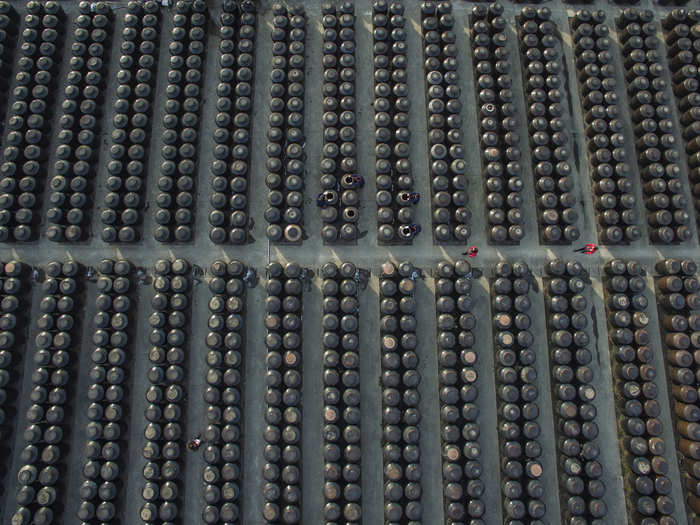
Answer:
x=358 y=181
x=409 y=231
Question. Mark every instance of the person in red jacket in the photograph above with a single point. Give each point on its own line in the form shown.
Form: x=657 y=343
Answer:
x=471 y=252
x=588 y=249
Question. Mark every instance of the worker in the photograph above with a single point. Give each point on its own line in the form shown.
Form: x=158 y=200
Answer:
x=409 y=231
x=195 y=442
x=409 y=197
x=356 y=181
x=471 y=252
x=361 y=277
x=250 y=277
x=588 y=249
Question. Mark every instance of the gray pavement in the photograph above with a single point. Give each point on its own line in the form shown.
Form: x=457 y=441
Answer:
x=312 y=253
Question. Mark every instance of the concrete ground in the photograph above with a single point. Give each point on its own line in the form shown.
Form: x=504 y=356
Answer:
x=367 y=254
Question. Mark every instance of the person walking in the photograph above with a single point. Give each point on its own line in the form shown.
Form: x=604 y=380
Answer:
x=195 y=442
x=588 y=249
